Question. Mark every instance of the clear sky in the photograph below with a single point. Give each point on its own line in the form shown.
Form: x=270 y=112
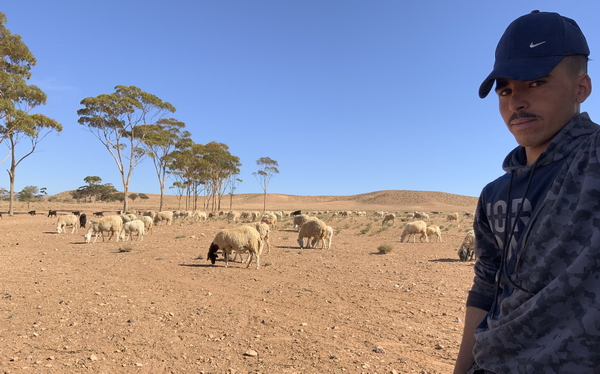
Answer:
x=348 y=96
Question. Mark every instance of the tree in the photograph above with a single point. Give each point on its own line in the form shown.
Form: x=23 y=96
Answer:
x=133 y=196
x=122 y=121
x=268 y=169
x=159 y=144
x=29 y=194
x=17 y=100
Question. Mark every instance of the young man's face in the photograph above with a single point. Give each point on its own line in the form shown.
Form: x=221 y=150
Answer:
x=534 y=111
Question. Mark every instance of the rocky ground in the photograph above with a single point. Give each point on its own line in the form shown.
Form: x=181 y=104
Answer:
x=158 y=306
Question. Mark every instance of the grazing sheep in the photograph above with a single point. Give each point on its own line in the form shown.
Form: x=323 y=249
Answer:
x=67 y=220
x=452 y=217
x=314 y=229
x=82 y=220
x=296 y=212
x=328 y=237
x=299 y=220
x=238 y=239
x=149 y=213
x=233 y=216
x=148 y=223
x=433 y=230
x=200 y=215
x=270 y=219
x=466 y=252
x=77 y=213
x=263 y=229
x=31 y=213
x=388 y=218
x=112 y=224
x=133 y=226
x=164 y=216
x=128 y=217
x=52 y=213
x=414 y=228
x=99 y=214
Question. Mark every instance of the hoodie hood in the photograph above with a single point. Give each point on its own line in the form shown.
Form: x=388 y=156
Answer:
x=564 y=143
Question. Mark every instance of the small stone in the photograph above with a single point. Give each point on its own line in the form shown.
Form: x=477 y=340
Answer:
x=379 y=349
x=251 y=353
x=93 y=358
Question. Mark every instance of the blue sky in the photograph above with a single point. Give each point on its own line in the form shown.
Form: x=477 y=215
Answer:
x=348 y=96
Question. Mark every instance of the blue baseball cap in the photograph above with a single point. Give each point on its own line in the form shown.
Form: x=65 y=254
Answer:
x=533 y=45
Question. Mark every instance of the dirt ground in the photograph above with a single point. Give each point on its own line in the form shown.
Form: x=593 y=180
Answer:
x=158 y=306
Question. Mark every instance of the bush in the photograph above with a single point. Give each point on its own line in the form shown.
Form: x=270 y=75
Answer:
x=384 y=249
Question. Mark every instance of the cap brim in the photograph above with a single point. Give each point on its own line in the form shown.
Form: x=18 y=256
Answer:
x=521 y=69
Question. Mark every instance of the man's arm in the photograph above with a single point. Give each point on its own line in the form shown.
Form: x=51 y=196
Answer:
x=473 y=317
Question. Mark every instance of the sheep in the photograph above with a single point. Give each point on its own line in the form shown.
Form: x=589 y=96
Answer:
x=99 y=214
x=314 y=229
x=52 y=213
x=164 y=216
x=200 y=215
x=149 y=213
x=299 y=220
x=112 y=224
x=133 y=226
x=270 y=219
x=32 y=213
x=414 y=228
x=128 y=217
x=388 y=218
x=328 y=237
x=82 y=220
x=238 y=239
x=263 y=229
x=433 y=230
x=67 y=220
x=452 y=217
x=233 y=216
x=148 y=223
x=466 y=252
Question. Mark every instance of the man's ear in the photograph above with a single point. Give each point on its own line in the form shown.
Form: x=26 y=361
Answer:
x=585 y=88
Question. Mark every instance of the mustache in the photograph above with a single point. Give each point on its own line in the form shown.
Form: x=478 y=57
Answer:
x=521 y=114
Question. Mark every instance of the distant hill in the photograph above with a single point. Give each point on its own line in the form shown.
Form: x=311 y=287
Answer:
x=378 y=200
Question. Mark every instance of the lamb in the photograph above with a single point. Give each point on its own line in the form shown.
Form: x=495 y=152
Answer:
x=328 y=237
x=314 y=229
x=238 y=239
x=164 y=216
x=388 y=218
x=414 y=228
x=433 y=230
x=67 y=220
x=299 y=220
x=112 y=224
x=452 y=217
x=466 y=252
x=148 y=223
x=233 y=216
x=133 y=226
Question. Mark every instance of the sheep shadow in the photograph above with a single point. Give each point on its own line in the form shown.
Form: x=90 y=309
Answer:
x=447 y=260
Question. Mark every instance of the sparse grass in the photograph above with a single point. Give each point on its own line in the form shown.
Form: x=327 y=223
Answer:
x=347 y=226
x=180 y=236
x=381 y=229
x=125 y=249
x=337 y=230
x=267 y=264
x=366 y=229
x=384 y=249
x=285 y=237
x=200 y=257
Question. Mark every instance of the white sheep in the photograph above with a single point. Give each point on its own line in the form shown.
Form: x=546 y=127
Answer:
x=238 y=239
x=432 y=231
x=164 y=216
x=148 y=223
x=299 y=220
x=314 y=229
x=452 y=217
x=149 y=213
x=388 y=218
x=112 y=224
x=414 y=228
x=263 y=229
x=67 y=220
x=128 y=217
x=270 y=219
x=133 y=226
x=233 y=216
x=328 y=237
x=466 y=251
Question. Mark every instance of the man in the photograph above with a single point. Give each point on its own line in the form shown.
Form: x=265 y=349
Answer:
x=534 y=306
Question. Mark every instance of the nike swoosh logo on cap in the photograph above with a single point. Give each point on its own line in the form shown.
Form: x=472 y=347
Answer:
x=536 y=44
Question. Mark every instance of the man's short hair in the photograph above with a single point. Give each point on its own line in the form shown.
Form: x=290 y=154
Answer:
x=576 y=64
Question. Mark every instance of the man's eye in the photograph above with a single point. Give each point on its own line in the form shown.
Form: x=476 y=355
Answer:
x=504 y=92
x=536 y=83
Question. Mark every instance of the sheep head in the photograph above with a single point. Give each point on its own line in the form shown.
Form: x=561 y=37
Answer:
x=212 y=253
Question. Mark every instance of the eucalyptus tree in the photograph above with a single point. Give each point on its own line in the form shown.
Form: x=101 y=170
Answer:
x=268 y=169
x=122 y=121
x=17 y=100
x=159 y=144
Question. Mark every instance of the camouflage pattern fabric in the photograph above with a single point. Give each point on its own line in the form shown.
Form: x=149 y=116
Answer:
x=549 y=321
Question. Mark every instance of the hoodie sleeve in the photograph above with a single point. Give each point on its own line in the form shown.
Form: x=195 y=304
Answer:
x=488 y=254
